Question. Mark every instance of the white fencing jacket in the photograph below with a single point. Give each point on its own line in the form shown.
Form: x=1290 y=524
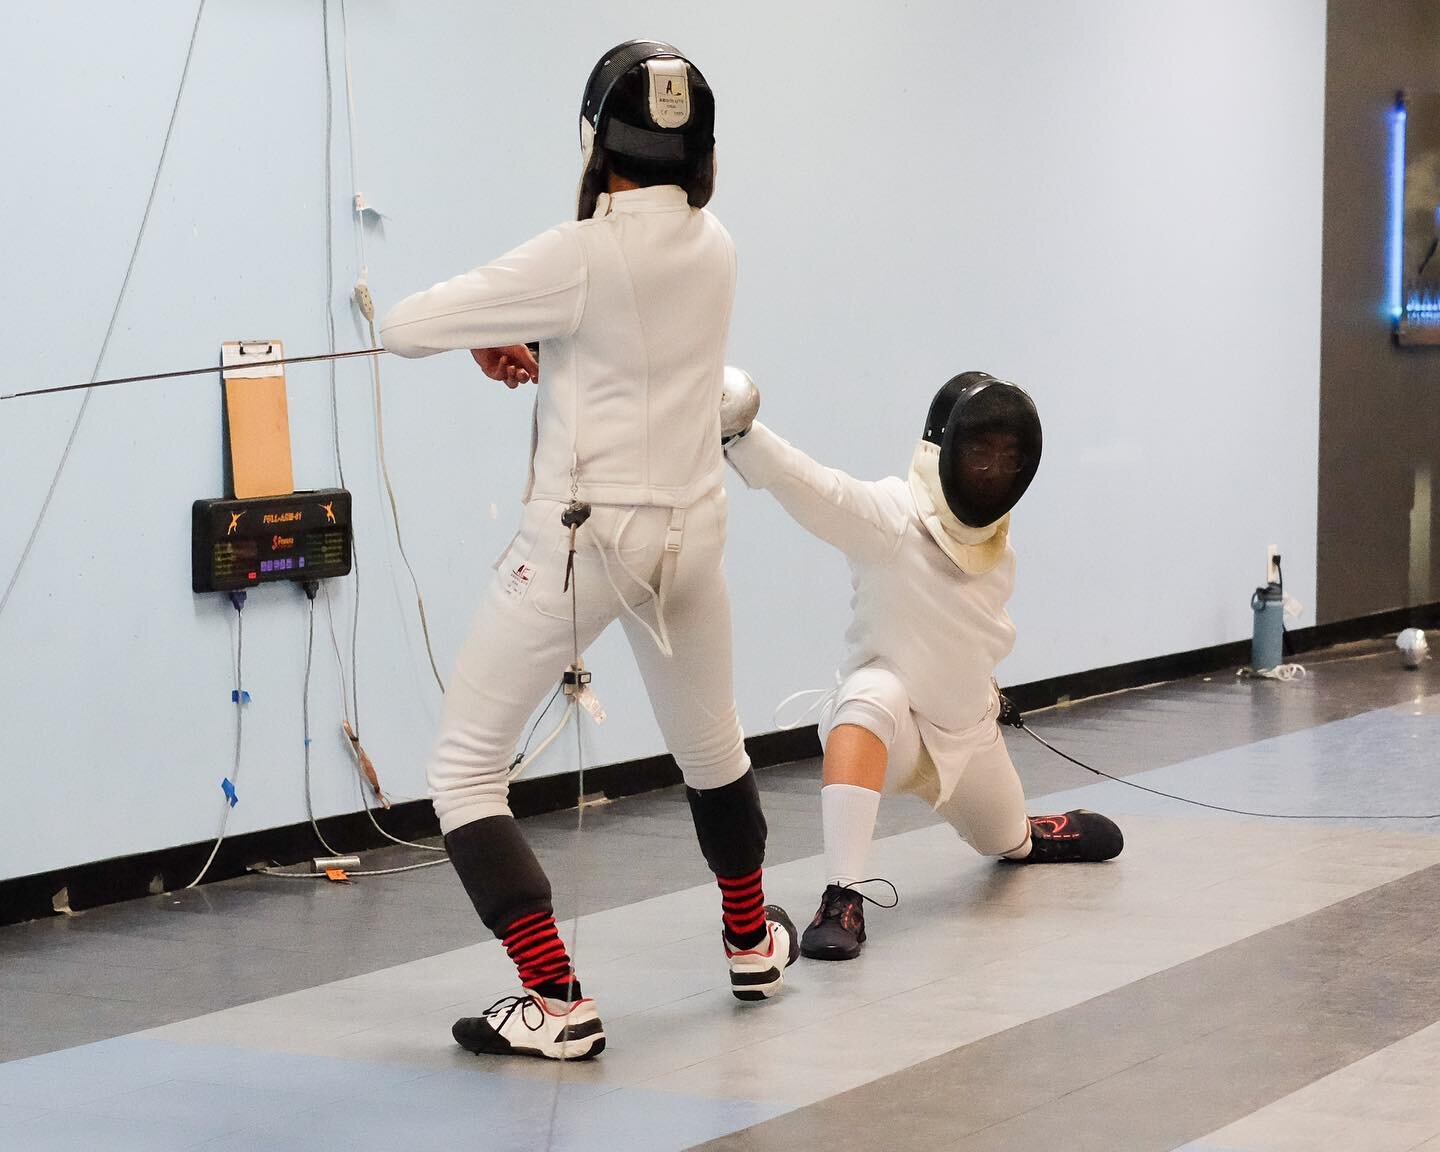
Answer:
x=939 y=631
x=632 y=311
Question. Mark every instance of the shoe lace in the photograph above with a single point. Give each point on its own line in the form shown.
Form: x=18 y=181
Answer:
x=507 y=1006
x=835 y=903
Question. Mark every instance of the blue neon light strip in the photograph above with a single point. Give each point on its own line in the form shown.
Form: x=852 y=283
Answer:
x=1397 y=208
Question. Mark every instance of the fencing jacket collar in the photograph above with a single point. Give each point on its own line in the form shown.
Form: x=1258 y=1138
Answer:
x=975 y=551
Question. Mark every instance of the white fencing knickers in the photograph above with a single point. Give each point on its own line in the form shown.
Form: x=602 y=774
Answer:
x=987 y=805
x=521 y=642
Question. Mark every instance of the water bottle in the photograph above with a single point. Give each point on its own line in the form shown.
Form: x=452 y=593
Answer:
x=1267 y=641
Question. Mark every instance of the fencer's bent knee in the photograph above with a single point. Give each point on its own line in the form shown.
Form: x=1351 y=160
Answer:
x=463 y=791
x=873 y=699
x=867 y=715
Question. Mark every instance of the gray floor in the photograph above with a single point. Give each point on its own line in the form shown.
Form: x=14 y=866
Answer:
x=1221 y=985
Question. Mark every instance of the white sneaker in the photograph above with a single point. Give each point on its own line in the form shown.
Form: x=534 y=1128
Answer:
x=757 y=973
x=531 y=1025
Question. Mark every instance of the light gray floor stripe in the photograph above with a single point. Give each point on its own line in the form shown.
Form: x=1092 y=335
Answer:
x=1167 y=1059
x=1387 y=1102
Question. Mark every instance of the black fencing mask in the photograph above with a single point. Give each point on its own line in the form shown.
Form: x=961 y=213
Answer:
x=649 y=113
x=979 y=452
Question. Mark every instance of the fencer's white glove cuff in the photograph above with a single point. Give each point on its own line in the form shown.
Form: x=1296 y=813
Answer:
x=757 y=457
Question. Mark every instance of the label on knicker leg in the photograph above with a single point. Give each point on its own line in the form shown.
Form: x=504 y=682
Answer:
x=517 y=580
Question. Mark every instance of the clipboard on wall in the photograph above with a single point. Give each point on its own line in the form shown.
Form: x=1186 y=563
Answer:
x=257 y=420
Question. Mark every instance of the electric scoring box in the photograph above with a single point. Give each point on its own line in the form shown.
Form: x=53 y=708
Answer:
x=242 y=543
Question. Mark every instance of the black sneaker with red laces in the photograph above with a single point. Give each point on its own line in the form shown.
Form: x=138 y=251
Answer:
x=1073 y=837
x=838 y=930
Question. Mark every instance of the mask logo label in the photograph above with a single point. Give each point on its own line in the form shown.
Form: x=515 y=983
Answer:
x=669 y=92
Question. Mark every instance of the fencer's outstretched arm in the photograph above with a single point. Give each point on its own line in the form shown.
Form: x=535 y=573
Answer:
x=857 y=516
x=533 y=292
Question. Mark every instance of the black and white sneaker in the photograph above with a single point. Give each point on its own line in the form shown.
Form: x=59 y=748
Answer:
x=531 y=1025
x=838 y=930
x=757 y=973
x=1073 y=837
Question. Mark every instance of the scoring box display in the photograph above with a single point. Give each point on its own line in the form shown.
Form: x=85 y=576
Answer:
x=241 y=543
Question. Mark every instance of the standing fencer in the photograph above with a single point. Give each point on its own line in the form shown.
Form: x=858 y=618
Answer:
x=631 y=306
x=916 y=706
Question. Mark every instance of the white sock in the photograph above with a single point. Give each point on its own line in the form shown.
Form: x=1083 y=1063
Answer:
x=847 y=817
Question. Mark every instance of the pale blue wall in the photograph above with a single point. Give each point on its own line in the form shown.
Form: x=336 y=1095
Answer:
x=1115 y=203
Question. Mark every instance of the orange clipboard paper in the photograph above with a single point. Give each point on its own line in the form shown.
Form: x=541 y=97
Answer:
x=258 y=418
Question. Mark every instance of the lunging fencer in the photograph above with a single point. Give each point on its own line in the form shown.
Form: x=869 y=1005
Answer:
x=932 y=568
x=630 y=305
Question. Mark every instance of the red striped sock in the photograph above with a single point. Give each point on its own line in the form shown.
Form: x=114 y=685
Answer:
x=534 y=944
x=742 y=907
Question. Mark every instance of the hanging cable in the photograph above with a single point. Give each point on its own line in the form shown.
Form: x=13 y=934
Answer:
x=396 y=839
x=352 y=726
x=575 y=684
x=348 y=707
x=238 y=696
x=395 y=508
x=352 y=711
x=114 y=316
x=366 y=305
x=524 y=758
x=311 y=588
x=339 y=659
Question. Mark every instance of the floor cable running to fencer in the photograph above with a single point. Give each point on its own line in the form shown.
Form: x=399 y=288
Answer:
x=524 y=758
x=114 y=317
x=573 y=684
x=283 y=874
x=1012 y=717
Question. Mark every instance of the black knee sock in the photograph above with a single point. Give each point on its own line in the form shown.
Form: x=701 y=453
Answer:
x=511 y=893
x=731 y=829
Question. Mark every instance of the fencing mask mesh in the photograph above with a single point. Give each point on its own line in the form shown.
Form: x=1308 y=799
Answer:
x=979 y=452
